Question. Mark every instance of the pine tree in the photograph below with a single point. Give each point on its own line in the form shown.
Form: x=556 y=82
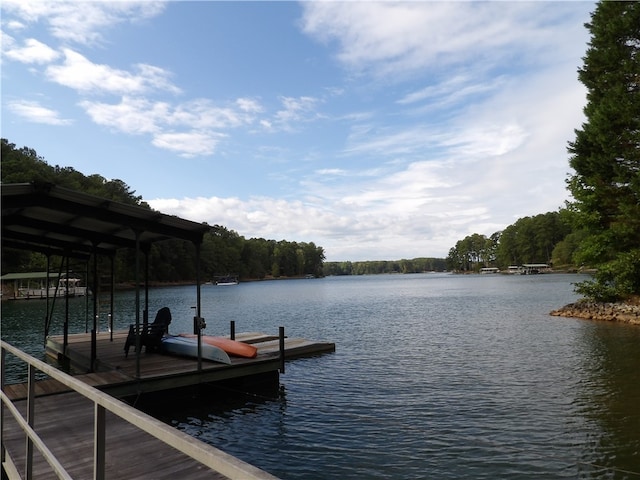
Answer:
x=606 y=152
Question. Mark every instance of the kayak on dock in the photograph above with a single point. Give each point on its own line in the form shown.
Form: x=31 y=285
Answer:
x=188 y=347
x=232 y=347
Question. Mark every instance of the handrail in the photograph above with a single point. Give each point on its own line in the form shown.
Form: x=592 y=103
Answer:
x=37 y=441
x=203 y=453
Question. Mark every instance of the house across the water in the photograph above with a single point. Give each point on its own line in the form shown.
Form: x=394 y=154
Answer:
x=534 y=268
x=25 y=286
x=489 y=270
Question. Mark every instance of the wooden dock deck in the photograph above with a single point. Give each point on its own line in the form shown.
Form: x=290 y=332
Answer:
x=66 y=423
x=65 y=419
x=116 y=374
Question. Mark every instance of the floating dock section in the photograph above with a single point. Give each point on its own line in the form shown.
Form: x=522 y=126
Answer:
x=116 y=374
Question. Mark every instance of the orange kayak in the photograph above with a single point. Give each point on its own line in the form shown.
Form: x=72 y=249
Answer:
x=232 y=347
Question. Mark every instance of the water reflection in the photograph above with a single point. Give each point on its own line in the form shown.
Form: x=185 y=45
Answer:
x=434 y=376
x=609 y=399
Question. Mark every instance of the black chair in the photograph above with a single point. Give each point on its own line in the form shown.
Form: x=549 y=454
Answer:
x=150 y=334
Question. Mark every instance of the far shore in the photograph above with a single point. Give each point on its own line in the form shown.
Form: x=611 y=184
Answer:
x=609 y=312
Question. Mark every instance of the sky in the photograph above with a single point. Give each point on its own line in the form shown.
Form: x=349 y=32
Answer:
x=377 y=130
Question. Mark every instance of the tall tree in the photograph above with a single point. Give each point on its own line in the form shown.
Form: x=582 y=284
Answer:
x=606 y=152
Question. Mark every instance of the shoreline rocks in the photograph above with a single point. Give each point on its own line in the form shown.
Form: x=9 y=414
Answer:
x=608 y=312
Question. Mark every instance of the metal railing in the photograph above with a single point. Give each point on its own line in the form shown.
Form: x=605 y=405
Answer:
x=201 y=452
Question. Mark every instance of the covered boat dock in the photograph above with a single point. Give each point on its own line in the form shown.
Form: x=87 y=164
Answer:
x=56 y=221
x=53 y=220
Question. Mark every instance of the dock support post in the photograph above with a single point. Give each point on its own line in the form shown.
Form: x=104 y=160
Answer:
x=99 y=442
x=200 y=321
x=3 y=362
x=94 y=350
x=112 y=274
x=232 y=327
x=66 y=307
x=281 y=331
x=96 y=288
x=31 y=404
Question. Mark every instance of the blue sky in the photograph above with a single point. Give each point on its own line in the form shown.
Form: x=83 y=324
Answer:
x=377 y=130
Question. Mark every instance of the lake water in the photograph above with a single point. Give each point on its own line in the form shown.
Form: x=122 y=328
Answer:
x=434 y=376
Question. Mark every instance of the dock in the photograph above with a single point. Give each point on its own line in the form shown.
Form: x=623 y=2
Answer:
x=115 y=374
x=66 y=420
x=113 y=439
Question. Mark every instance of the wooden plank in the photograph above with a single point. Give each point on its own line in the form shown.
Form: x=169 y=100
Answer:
x=254 y=337
x=295 y=347
x=117 y=373
x=71 y=434
x=65 y=423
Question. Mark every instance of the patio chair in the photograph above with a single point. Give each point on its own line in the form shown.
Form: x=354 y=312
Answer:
x=151 y=333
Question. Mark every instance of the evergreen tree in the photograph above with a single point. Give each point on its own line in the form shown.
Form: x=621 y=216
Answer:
x=606 y=152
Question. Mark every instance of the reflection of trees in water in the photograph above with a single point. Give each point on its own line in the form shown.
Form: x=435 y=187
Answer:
x=609 y=399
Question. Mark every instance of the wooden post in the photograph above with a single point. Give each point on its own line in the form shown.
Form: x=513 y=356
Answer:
x=199 y=306
x=3 y=362
x=99 y=442
x=282 y=350
x=111 y=295
x=232 y=327
x=31 y=404
x=94 y=350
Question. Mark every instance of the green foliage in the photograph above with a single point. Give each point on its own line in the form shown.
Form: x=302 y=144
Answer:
x=615 y=280
x=24 y=165
x=472 y=253
x=528 y=240
x=374 y=267
x=565 y=251
x=222 y=252
x=532 y=239
x=606 y=152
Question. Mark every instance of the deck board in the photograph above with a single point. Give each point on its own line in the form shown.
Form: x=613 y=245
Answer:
x=65 y=422
x=117 y=374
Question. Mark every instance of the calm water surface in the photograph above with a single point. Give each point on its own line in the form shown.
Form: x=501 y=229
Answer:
x=434 y=376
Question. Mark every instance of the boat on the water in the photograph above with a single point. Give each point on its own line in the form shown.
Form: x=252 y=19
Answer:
x=232 y=347
x=226 y=280
x=188 y=347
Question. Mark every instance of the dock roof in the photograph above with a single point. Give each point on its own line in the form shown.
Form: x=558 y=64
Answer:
x=52 y=219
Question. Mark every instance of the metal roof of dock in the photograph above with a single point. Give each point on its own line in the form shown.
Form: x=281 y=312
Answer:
x=53 y=219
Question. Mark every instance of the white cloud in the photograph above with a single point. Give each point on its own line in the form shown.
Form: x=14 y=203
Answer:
x=249 y=105
x=86 y=77
x=36 y=113
x=33 y=51
x=395 y=39
x=81 y=21
x=479 y=172
x=203 y=113
x=188 y=144
x=332 y=172
x=346 y=231
x=133 y=115
x=200 y=122
x=295 y=110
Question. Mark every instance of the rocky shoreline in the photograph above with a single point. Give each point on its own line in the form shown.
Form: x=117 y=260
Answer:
x=609 y=312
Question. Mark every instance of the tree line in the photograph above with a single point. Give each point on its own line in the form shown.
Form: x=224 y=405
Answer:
x=537 y=239
x=416 y=265
x=600 y=226
x=223 y=251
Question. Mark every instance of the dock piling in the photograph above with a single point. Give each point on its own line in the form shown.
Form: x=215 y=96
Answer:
x=281 y=331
